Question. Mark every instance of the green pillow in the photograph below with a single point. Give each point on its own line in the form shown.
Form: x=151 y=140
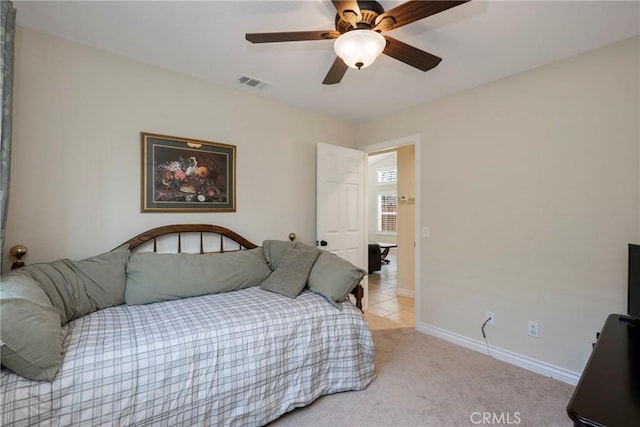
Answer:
x=153 y=277
x=274 y=251
x=334 y=277
x=291 y=276
x=77 y=288
x=29 y=329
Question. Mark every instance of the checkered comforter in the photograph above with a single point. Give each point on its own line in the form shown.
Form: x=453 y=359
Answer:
x=239 y=358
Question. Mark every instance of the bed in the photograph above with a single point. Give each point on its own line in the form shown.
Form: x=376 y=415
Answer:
x=235 y=358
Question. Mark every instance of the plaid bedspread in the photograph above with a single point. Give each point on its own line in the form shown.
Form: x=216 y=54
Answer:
x=239 y=358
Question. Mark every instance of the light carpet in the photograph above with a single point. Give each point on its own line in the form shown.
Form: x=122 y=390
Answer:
x=425 y=381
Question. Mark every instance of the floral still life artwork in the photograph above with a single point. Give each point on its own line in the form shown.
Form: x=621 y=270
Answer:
x=181 y=175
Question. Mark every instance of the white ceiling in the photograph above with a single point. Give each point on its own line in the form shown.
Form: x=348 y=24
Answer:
x=479 y=41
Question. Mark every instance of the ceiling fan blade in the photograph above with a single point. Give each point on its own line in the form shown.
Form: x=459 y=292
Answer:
x=412 y=11
x=349 y=11
x=410 y=55
x=336 y=72
x=292 y=36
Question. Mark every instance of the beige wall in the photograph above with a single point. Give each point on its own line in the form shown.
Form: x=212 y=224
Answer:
x=78 y=114
x=406 y=221
x=530 y=186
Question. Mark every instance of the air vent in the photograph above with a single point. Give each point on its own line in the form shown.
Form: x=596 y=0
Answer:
x=252 y=82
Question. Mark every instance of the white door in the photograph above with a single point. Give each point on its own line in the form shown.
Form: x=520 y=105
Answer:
x=340 y=205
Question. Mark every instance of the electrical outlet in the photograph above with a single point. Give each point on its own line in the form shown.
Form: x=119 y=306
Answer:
x=490 y=315
x=534 y=329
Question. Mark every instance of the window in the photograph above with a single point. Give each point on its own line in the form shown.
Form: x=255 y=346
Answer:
x=387 y=212
x=388 y=175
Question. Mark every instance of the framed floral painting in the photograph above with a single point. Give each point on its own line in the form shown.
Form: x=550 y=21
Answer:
x=187 y=175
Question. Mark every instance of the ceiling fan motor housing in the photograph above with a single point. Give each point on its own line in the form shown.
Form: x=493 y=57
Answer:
x=369 y=10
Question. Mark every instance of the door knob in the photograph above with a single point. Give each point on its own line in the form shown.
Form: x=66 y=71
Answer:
x=323 y=243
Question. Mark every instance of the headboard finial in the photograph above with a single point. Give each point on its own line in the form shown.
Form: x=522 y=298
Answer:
x=292 y=236
x=18 y=251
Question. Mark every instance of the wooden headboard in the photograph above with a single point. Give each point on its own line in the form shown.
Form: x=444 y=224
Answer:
x=179 y=230
x=226 y=236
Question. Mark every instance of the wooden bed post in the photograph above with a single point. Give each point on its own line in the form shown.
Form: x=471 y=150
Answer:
x=358 y=292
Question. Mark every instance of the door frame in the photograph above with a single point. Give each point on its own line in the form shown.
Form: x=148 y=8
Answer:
x=394 y=143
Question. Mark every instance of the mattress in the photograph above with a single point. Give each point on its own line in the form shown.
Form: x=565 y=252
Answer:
x=239 y=358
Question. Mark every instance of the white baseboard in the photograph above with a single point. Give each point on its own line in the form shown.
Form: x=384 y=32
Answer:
x=525 y=362
x=405 y=293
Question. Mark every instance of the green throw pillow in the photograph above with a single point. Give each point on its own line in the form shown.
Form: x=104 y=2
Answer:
x=334 y=277
x=153 y=277
x=274 y=251
x=291 y=276
x=30 y=329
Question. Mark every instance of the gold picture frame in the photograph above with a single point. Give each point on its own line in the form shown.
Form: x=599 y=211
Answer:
x=187 y=175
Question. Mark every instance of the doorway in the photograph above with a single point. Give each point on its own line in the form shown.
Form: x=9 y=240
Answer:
x=391 y=219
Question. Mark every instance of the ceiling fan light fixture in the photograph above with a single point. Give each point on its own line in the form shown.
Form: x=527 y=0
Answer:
x=359 y=48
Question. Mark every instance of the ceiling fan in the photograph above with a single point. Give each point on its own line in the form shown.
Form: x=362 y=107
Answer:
x=359 y=41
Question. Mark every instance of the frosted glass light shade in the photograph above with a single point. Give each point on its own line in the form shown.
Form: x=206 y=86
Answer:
x=359 y=48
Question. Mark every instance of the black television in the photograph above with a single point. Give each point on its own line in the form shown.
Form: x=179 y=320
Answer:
x=633 y=297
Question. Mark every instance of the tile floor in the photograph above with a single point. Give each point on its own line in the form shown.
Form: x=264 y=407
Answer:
x=386 y=310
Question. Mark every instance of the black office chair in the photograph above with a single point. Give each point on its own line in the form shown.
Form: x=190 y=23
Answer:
x=375 y=257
